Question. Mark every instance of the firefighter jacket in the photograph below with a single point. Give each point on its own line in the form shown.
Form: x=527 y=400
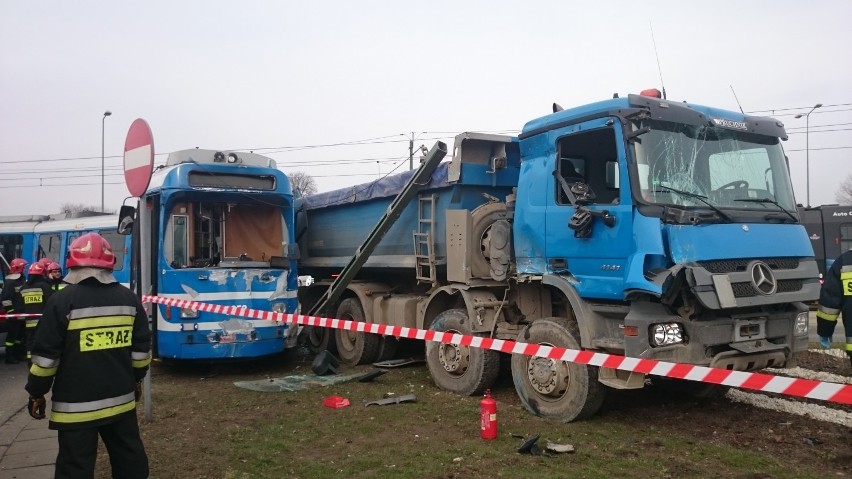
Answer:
x=10 y=287
x=92 y=345
x=31 y=297
x=58 y=284
x=836 y=298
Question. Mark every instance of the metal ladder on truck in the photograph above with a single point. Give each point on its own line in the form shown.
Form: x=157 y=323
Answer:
x=424 y=240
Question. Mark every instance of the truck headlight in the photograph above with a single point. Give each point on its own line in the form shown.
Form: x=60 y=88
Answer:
x=665 y=334
x=801 y=326
x=187 y=313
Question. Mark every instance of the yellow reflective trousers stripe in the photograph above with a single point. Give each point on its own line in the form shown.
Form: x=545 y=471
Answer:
x=141 y=363
x=41 y=372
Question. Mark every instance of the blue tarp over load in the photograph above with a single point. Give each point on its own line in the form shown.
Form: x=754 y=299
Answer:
x=381 y=188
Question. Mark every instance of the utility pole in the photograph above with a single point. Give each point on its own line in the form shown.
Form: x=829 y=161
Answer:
x=411 y=152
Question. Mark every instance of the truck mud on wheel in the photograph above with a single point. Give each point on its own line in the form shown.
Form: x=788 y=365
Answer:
x=632 y=226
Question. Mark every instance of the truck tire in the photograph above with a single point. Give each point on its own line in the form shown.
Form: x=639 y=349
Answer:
x=388 y=345
x=482 y=217
x=558 y=390
x=460 y=369
x=319 y=339
x=355 y=347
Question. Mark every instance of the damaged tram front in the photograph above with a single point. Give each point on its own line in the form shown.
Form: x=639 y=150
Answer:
x=217 y=227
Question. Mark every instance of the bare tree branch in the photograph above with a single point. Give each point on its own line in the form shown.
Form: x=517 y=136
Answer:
x=843 y=195
x=303 y=184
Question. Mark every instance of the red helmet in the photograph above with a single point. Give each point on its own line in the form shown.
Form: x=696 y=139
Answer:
x=90 y=250
x=44 y=261
x=53 y=267
x=36 y=269
x=17 y=266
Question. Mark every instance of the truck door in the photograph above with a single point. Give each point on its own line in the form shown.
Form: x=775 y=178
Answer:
x=591 y=155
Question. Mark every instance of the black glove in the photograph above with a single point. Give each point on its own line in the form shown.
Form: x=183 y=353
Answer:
x=36 y=406
x=138 y=390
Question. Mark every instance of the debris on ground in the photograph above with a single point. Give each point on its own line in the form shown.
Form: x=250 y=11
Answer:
x=294 y=383
x=335 y=402
x=395 y=363
x=559 y=448
x=392 y=400
x=325 y=363
x=529 y=445
x=366 y=378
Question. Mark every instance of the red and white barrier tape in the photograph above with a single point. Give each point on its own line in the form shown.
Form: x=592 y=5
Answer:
x=20 y=315
x=807 y=388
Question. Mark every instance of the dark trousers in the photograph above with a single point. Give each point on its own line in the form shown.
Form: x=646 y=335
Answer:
x=78 y=449
x=13 y=338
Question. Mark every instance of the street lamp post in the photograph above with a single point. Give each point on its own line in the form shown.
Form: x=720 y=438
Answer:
x=103 y=121
x=808 y=153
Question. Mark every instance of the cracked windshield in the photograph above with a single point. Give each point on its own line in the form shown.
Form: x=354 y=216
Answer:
x=693 y=165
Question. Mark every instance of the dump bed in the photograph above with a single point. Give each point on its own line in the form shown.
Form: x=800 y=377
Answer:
x=331 y=225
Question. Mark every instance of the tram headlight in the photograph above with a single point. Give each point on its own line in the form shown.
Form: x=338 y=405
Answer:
x=665 y=334
x=187 y=313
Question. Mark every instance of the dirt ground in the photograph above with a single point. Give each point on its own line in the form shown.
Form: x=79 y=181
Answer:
x=197 y=409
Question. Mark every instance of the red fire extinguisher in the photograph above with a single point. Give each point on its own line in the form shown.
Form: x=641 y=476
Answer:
x=488 y=416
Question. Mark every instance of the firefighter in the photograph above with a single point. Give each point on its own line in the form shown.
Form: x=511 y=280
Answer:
x=92 y=347
x=30 y=299
x=54 y=276
x=15 y=330
x=835 y=299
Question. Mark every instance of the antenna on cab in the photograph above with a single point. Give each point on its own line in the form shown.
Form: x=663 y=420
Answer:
x=737 y=99
x=658 y=59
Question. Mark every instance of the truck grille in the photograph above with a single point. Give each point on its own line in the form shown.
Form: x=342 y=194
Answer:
x=736 y=265
x=746 y=290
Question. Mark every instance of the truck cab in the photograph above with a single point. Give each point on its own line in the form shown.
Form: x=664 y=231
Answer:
x=682 y=213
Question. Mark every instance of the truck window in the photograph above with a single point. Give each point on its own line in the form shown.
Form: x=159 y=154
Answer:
x=845 y=236
x=583 y=157
x=749 y=167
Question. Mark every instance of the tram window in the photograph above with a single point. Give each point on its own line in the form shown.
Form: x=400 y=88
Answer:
x=204 y=235
x=179 y=241
x=48 y=246
x=12 y=246
x=116 y=241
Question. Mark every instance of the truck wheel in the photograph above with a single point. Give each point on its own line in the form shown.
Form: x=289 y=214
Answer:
x=482 y=217
x=355 y=347
x=388 y=346
x=319 y=339
x=460 y=369
x=558 y=390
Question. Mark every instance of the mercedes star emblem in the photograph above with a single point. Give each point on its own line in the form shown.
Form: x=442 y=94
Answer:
x=763 y=279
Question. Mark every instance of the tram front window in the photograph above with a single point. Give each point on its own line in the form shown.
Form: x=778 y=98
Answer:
x=205 y=235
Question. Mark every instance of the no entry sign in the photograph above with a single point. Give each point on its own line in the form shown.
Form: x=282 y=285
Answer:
x=138 y=157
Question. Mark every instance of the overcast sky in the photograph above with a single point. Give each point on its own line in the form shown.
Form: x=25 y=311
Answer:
x=294 y=80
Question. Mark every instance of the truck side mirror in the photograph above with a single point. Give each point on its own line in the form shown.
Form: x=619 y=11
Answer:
x=612 y=174
x=126 y=216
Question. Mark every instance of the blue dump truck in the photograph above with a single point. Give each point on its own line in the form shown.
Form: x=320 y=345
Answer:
x=633 y=226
